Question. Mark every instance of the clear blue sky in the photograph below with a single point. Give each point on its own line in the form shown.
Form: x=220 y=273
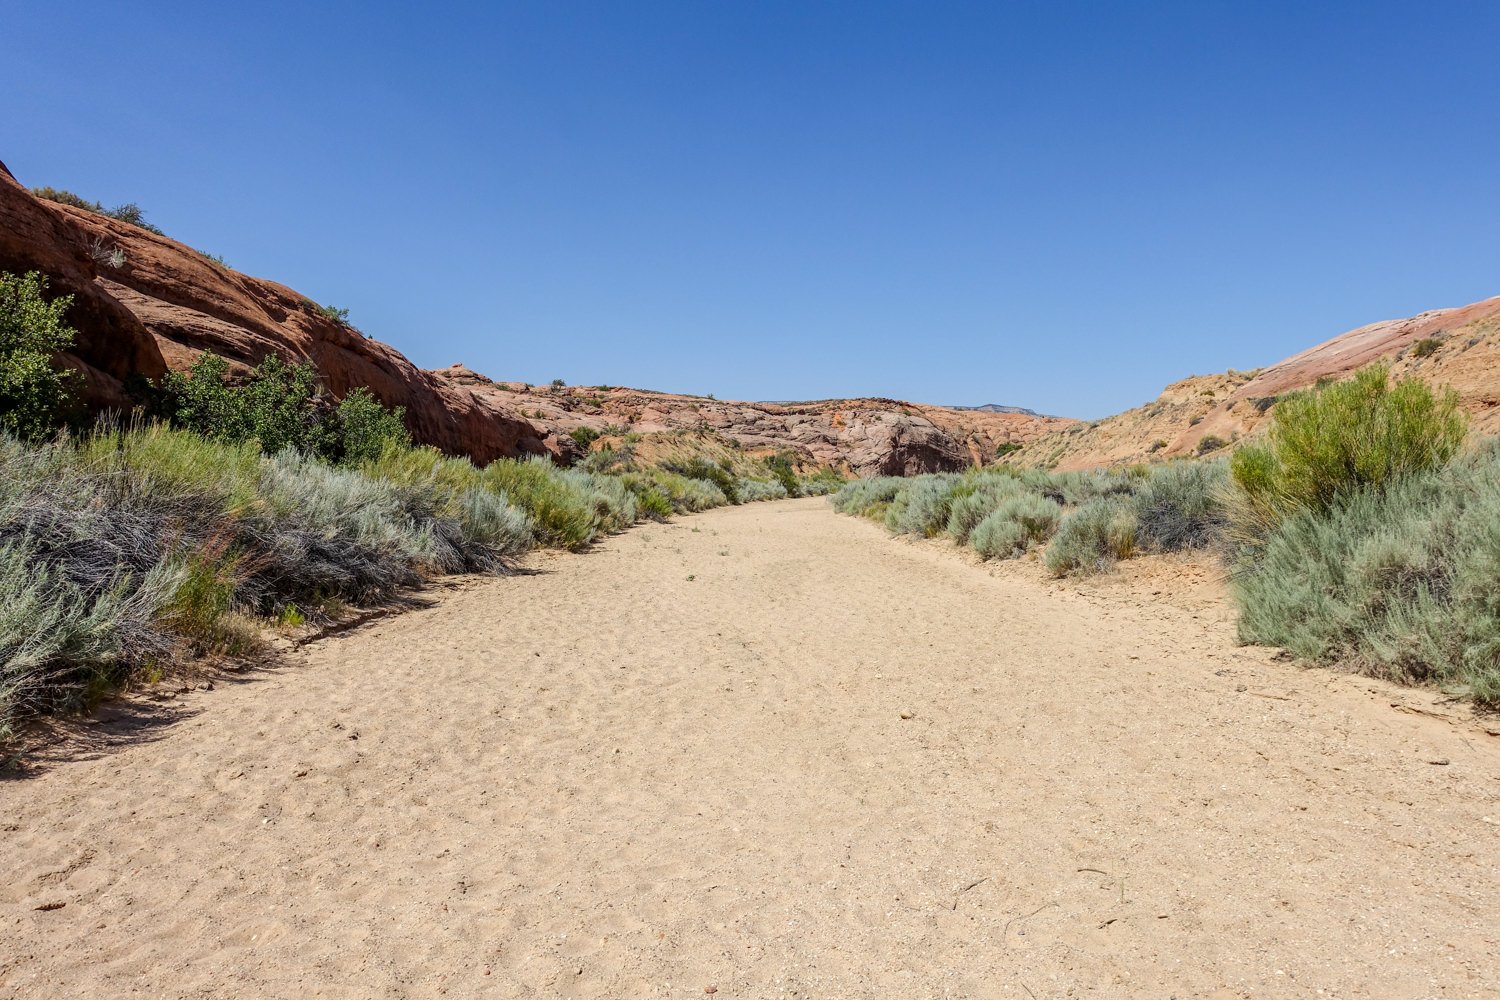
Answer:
x=1062 y=206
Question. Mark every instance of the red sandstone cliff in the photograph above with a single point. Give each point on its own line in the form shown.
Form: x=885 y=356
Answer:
x=144 y=304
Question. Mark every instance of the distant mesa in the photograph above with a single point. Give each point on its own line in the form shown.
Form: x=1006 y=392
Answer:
x=998 y=408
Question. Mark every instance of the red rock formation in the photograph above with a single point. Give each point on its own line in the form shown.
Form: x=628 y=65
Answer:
x=866 y=436
x=165 y=303
x=1203 y=410
x=145 y=304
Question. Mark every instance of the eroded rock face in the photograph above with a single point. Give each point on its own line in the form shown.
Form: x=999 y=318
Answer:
x=1205 y=413
x=864 y=436
x=145 y=304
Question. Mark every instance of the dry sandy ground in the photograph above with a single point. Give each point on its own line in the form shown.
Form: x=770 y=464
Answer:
x=680 y=764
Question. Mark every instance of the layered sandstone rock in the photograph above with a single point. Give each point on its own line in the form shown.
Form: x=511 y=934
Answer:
x=1202 y=414
x=145 y=304
x=865 y=436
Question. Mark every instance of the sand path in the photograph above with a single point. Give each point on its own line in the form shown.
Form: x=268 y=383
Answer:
x=679 y=763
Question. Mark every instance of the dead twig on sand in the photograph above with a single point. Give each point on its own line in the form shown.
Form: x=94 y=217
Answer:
x=965 y=889
x=1005 y=934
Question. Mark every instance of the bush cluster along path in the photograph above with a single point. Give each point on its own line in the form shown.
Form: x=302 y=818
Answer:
x=764 y=751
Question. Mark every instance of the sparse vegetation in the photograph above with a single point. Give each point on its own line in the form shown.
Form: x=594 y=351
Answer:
x=584 y=436
x=33 y=331
x=1094 y=537
x=129 y=212
x=1210 y=443
x=1326 y=444
x=259 y=502
x=1092 y=519
x=1367 y=540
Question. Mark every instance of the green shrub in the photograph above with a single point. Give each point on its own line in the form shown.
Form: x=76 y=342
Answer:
x=363 y=427
x=1178 y=506
x=972 y=505
x=821 y=483
x=338 y=315
x=760 y=489
x=276 y=406
x=922 y=507
x=781 y=466
x=33 y=390
x=67 y=198
x=1210 y=442
x=1017 y=521
x=1093 y=537
x=711 y=472
x=650 y=501
x=1328 y=443
x=200 y=610
x=584 y=436
x=859 y=496
x=563 y=513
x=1399 y=582
x=998 y=537
x=1426 y=347
x=129 y=212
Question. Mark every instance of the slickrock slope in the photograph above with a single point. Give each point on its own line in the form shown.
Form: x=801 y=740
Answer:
x=1460 y=348
x=165 y=303
x=868 y=436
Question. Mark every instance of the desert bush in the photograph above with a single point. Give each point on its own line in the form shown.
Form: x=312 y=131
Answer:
x=1178 y=506
x=710 y=472
x=760 y=489
x=129 y=212
x=584 y=436
x=277 y=406
x=781 y=466
x=686 y=495
x=562 y=510
x=998 y=537
x=363 y=427
x=1426 y=347
x=614 y=505
x=132 y=213
x=1210 y=442
x=472 y=526
x=976 y=499
x=1330 y=442
x=922 y=507
x=61 y=643
x=650 y=501
x=33 y=391
x=1399 y=582
x=859 y=496
x=1093 y=537
x=67 y=198
x=1017 y=522
x=821 y=483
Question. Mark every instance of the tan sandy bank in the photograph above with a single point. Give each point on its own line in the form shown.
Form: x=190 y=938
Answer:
x=681 y=763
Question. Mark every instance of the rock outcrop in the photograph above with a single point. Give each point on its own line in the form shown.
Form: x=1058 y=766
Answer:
x=145 y=304
x=866 y=436
x=1457 y=347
